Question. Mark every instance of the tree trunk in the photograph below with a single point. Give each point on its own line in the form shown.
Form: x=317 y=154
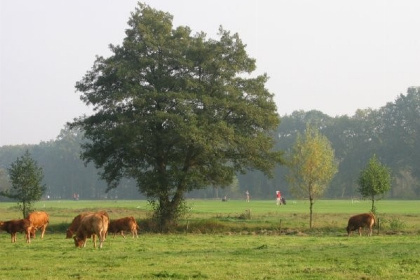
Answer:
x=24 y=210
x=373 y=210
x=169 y=211
x=311 y=203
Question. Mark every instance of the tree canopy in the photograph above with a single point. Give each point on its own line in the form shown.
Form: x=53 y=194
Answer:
x=374 y=180
x=176 y=111
x=26 y=180
x=312 y=166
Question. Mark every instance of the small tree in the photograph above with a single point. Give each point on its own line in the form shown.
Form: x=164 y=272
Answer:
x=311 y=167
x=374 y=181
x=26 y=178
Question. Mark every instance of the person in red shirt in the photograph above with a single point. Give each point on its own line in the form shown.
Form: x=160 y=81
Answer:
x=278 y=196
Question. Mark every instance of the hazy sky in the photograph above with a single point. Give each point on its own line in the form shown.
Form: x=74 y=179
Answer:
x=329 y=55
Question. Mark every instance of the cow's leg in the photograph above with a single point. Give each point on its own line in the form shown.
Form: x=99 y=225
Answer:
x=43 y=231
x=360 y=231
x=101 y=238
x=122 y=233
x=94 y=240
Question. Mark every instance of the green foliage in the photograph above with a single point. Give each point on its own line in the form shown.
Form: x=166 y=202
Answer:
x=312 y=166
x=374 y=181
x=176 y=112
x=26 y=180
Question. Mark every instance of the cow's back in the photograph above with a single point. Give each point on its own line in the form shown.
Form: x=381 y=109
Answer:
x=38 y=218
x=93 y=224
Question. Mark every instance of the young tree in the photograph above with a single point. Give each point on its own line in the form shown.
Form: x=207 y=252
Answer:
x=176 y=112
x=26 y=178
x=312 y=166
x=374 y=181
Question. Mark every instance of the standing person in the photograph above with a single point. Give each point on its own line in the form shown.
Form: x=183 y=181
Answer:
x=247 y=195
x=278 y=197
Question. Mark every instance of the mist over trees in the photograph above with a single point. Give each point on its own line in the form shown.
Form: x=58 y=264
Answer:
x=391 y=132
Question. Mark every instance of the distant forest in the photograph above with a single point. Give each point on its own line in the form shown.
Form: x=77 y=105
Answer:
x=392 y=132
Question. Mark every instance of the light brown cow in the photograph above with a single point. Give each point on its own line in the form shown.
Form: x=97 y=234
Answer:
x=39 y=220
x=360 y=221
x=76 y=222
x=123 y=224
x=15 y=226
x=91 y=225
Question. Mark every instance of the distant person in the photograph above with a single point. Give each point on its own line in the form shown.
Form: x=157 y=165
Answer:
x=247 y=196
x=278 y=197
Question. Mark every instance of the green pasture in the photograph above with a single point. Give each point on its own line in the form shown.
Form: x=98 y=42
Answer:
x=214 y=256
x=215 y=216
x=224 y=240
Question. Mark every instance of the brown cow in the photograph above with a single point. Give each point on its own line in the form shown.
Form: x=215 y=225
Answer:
x=15 y=226
x=39 y=220
x=76 y=222
x=360 y=221
x=123 y=224
x=91 y=225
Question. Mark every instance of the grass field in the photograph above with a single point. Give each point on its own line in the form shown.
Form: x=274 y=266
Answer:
x=255 y=240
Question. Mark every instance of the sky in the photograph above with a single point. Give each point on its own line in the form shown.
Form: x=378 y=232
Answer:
x=327 y=55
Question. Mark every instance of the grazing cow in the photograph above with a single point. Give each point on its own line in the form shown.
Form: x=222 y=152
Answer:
x=15 y=226
x=39 y=220
x=123 y=224
x=360 y=221
x=91 y=225
x=76 y=222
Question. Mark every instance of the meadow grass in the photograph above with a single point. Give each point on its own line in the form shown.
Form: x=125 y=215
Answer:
x=272 y=242
x=214 y=256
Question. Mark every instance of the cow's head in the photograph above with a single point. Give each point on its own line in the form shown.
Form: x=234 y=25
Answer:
x=32 y=232
x=69 y=233
x=78 y=242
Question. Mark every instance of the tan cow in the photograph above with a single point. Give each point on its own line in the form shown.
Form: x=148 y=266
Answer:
x=39 y=220
x=76 y=222
x=15 y=226
x=360 y=221
x=123 y=224
x=91 y=225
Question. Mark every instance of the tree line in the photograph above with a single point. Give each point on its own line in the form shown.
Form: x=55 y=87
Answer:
x=390 y=132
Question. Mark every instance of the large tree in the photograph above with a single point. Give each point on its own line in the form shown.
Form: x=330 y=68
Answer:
x=312 y=166
x=374 y=181
x=26 y=180
x=176 y=112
